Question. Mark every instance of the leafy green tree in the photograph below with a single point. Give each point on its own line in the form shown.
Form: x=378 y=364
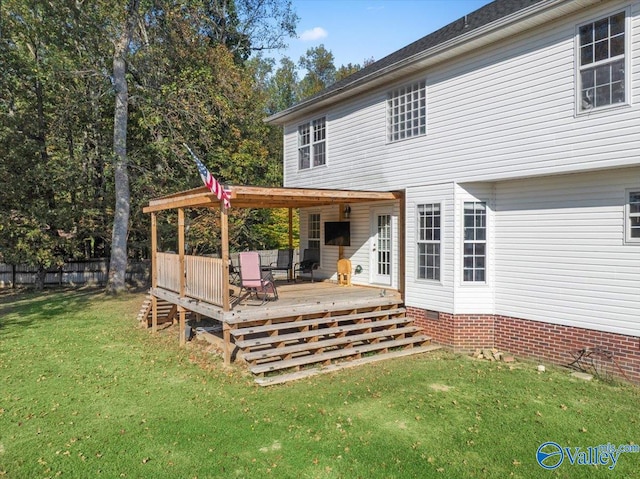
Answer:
x=321 y=71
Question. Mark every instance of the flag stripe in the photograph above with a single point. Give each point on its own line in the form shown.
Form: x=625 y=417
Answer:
x=210 y=182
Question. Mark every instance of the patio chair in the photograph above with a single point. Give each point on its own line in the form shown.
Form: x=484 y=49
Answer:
x=283 y=263
x=253 y=280
x=234 y=273
x=310 y=262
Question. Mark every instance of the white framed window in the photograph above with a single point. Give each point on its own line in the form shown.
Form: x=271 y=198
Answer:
x=313 y=231
x=428 y=227
x=312 y=149
x=632 y=220
x=407 y=112
x=474 y=267
x=602 y=62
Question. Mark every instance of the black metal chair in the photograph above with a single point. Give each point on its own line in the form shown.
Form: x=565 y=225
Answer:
x=310 y=262
x=283 y=263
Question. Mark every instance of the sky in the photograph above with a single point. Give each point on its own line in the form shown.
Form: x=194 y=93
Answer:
x=355 y=30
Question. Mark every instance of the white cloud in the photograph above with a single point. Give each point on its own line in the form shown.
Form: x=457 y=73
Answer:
x=314 y=34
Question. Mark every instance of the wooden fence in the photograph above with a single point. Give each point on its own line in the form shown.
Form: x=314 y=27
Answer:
x=72 y=273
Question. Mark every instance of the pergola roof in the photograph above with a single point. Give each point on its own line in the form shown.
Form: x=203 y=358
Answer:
x=264 y=197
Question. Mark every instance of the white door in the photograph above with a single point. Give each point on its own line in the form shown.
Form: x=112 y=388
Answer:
x=381 y=247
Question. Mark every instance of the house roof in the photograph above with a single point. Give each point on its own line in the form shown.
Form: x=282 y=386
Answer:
x=264 y=197
x=492 y=21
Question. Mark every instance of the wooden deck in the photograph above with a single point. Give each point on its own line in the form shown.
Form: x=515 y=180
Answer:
x=293 y=298
x=311 y=328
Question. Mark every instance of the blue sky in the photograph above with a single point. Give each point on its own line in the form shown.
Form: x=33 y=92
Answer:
x=355 y=30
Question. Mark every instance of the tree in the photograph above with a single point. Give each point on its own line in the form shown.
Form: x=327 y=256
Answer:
x=119 y=256
x=321 y=72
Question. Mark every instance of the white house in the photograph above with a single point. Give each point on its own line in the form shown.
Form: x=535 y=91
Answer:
x=514 y=134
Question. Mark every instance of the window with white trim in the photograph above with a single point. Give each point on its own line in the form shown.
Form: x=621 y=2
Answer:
x=312 y=149
x=407 y=112
x=475 y=242
x=313 y=231
x=429 y=241
x=633 y=216
x=602 y=62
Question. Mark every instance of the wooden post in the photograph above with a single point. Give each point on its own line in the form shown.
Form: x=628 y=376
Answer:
x=181 y=250
x=154 y=272
x=290 y=272
x=154 y=250
x=224 y=242
x=226 y=334
x=340 y=218
x=182 y=325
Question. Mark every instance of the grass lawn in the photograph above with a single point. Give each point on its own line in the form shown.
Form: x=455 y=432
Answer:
x=85 y=393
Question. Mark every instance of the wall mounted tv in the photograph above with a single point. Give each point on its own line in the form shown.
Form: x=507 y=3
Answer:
x=337 y=233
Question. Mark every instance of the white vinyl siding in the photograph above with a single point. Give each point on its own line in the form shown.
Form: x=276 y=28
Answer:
x=502 y=112
x=428 y=294
x=559 y=251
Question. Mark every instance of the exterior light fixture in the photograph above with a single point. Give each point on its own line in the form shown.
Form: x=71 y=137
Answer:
x=347 y=212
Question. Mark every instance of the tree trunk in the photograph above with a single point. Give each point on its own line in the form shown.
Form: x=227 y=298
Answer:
x=118 y=263
x=41 y=276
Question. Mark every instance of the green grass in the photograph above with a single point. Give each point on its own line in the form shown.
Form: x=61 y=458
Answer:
x=85 y=393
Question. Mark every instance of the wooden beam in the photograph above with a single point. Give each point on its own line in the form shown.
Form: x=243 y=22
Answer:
x=182 y=325
x=263 y=197
x=290 y=272
x=226 y=334
x=181 y=250
x=154 y=250
x=154 y=314
x=224 y=229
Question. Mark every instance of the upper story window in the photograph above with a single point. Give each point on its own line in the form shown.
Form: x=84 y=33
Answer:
x=602 y=62
x=633 y=216
x=312 y=149
x=429 y=241
x=407 y=112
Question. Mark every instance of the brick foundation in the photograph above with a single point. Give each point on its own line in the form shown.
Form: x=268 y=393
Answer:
x=532 y=339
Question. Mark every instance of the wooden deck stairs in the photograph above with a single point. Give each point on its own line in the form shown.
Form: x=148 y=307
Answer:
x=286 y=348
x=167 y=312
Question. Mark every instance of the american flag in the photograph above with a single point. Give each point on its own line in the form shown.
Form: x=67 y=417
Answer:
x=210 y=182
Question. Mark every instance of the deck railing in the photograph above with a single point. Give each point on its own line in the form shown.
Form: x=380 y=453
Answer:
x=168 y=270
x=204 y=276
x=205 y=279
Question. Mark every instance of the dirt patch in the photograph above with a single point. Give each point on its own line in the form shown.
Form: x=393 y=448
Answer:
x=440 y=387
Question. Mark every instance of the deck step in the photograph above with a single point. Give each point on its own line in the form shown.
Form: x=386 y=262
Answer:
x=283 y=378
x=328 y=343
x=339 y=353
x=385 y=323
x=316 y=321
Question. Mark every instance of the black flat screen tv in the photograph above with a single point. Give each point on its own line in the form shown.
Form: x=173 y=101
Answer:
x=337 y=233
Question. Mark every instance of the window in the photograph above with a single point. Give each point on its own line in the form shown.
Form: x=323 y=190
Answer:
x=312 y=144
x=633 y=216
x=313 y=234
x=407 y=112
x=429 y=241
x=602 y=62
x=475 y=241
